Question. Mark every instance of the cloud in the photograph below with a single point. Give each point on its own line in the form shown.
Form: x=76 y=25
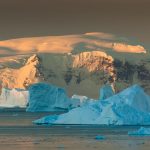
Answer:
x=119 y=47
x=69 y=43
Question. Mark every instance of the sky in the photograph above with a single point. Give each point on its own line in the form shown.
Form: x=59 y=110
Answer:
x=28 y=18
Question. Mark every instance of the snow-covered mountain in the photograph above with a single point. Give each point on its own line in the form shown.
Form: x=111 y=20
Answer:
x=79 y=63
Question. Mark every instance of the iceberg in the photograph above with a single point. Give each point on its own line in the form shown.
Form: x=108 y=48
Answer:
x=106 y=91
x=140 y=132
x=80 y=115
x=78 y=101
x=13 y=98
x=100 y=137
x=47 y=97
x=129 y=107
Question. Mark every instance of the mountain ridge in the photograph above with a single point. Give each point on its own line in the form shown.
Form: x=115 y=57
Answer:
x=82 y=68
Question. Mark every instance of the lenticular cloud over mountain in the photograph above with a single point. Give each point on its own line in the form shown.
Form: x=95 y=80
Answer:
x=129 y=107
x=69 y=43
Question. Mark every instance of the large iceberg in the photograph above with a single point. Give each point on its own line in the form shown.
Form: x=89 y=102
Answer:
x=47 y=97
x=13 y=98
x=129 y=107
x=41 y=97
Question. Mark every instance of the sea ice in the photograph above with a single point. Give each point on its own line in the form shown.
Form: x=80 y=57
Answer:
x=129 y=107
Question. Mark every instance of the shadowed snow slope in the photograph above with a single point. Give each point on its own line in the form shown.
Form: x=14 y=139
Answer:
x=129 y=107
x=13 y=98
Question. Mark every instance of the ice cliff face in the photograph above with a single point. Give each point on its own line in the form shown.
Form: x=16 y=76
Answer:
x=46 y=97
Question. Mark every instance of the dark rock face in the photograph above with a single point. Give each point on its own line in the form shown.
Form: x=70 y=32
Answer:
x=133 y=73
x=100 y=68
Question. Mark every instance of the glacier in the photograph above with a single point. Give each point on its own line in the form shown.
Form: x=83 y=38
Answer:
x=129 y=107
x=13 y=98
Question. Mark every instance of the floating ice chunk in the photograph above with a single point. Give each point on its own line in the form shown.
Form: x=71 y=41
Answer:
x=100 y=137
x=141 y=132
x=47 y=97
x=13 y=98
x=78 y=101
x=129 y=107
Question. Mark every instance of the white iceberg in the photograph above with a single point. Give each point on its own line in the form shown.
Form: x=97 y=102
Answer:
x=140 y=132
x=46 y=97
x=78 y=101
x=13 y=98
x=129 y=107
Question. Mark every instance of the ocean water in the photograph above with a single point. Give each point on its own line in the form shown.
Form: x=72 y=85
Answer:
x=18 y=133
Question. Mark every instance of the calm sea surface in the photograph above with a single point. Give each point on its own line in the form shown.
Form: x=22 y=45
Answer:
x=18 y=133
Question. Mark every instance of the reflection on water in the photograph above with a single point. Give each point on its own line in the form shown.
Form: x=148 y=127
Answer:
x=17 y=132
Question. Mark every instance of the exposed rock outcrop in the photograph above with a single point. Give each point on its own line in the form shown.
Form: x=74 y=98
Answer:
x=22 y=77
